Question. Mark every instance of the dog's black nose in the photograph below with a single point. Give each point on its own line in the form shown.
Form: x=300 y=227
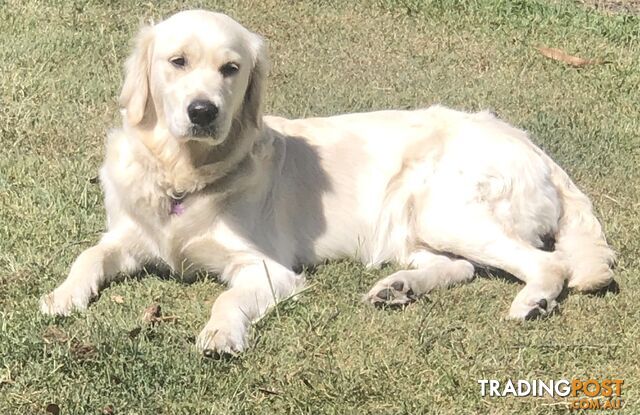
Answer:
x=202 y=112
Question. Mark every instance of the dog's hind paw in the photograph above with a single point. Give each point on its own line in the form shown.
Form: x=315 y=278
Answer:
x=391 y=293
x=532 y=310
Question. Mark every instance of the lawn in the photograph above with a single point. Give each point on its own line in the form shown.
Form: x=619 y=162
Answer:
x=60 y=66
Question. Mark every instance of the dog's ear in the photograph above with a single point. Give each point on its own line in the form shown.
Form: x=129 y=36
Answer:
x=252 y=107
x=135 y=90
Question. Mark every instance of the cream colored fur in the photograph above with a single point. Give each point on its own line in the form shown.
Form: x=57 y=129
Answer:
x=436 y=190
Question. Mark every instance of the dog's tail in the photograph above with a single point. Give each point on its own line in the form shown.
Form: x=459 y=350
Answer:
x=580 y=239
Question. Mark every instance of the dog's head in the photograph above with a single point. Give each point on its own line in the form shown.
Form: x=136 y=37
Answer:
x=195 y=73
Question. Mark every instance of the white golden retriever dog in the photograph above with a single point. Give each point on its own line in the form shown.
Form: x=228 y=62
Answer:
x=198 y=179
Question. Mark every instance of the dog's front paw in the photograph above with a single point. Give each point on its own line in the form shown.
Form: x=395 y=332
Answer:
x=222 y=338
x=62 y=302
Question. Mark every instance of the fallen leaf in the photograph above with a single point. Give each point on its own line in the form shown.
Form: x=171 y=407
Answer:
x=83 y=351
x=7 y=378
x=306 y=382
x=108 y=410
x=117 y=299
x=151 y=313
x=167 y=318
x=575 y=61
x=53 y=409
x=54 y=335
x=270 y=391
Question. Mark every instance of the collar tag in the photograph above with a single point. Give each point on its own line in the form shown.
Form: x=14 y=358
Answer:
x=177 y=207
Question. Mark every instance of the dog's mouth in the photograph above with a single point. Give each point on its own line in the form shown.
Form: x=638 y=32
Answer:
x=202 y=132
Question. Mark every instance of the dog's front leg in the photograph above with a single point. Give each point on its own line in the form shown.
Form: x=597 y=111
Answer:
x=254 y=288
x=116 y=252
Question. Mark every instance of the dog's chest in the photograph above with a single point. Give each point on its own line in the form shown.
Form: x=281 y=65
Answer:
x=191 y=231
x=136 y=194
x=183 y=233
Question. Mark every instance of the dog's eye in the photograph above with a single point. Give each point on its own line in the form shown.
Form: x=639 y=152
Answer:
x=178 y=62
x=229 y=69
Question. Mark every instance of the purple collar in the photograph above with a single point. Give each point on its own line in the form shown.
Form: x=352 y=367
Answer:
x=177 y=203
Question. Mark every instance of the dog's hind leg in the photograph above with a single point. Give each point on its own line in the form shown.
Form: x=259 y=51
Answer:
x=428 y=271
x=483 y=241
x=544 y=273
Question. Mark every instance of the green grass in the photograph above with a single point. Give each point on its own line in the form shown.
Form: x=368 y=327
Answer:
x=60 y=65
